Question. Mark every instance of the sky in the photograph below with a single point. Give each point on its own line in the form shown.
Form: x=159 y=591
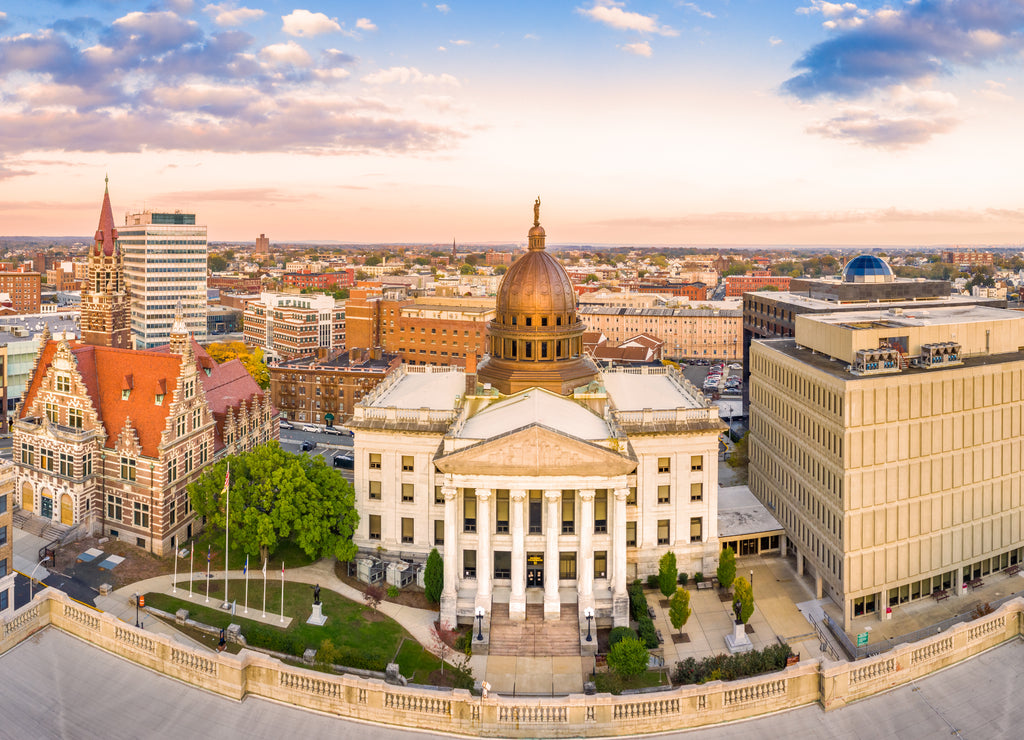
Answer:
x=665 y=122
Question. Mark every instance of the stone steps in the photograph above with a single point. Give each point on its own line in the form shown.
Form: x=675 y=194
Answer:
x=535 y=637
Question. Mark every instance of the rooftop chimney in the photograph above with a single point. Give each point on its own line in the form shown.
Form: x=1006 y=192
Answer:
x=471 y=373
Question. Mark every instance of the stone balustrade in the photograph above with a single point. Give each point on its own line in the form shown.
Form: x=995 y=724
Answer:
x=829 y=683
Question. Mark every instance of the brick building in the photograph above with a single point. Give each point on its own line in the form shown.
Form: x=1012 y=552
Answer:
x=321 y=280
x=325 y=391
x=109 y=437
x=687 y=333
x=693 y=291
x=964 y=258
x=737 y=285
x=423 y=331
x=23 y=289
x=235 y=284
x=287 y=325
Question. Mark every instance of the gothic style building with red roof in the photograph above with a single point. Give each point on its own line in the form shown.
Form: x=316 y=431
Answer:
x=109 y=437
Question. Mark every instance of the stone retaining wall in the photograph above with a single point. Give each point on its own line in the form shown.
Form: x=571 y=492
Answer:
x=832 y=684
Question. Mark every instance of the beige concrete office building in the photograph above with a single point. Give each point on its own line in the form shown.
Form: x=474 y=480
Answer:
x=888 y=444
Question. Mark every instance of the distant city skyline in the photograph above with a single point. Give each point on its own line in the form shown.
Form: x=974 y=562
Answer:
x=636 y=121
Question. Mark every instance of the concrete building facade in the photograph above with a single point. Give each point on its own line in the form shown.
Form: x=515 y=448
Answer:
x=888 y=444
x=687 y=333
x=287 y=325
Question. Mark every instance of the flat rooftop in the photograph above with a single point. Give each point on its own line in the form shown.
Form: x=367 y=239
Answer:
x=921 y=316
x=634 y=391
x=822 y=305
x=740 y=514
x=417 y=390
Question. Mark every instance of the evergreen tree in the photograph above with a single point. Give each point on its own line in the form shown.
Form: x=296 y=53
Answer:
x=667 y=573
x=433 y=577
x=726 y=567
x=679 y=608
x=742 y=599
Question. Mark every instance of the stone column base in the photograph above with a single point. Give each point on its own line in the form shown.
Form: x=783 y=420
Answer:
x=552 y=610
x=449 y=617
x=620 y=611
x=517 y=609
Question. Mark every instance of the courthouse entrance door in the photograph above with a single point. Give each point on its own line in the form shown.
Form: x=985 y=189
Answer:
x=46 y=507
x=534 y=570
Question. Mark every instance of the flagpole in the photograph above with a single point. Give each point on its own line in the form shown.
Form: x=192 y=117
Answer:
x=191 y=552
x=246 y=584
x=227 y=517
x=207 y=574
x=282 y=590
x=264 y=589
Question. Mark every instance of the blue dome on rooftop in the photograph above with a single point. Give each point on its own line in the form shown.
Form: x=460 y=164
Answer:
x=867 y=268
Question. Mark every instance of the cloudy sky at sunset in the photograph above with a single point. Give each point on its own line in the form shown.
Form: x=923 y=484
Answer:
x=636 y=121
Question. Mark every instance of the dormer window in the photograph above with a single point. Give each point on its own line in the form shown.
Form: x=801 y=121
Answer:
x=63 y=383
x=159 y=399
x=125 y=393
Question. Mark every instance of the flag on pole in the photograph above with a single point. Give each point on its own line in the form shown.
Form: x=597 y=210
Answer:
x=245 y=568
x=209 y=555
x=227 y=480
x=264 y=568
x=282 y=569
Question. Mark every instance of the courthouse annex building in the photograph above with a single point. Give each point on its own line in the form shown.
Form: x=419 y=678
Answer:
x=540 y=479
x=110 y=437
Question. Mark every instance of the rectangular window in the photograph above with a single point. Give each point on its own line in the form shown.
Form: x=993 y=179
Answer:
x=158 y=399
x=566 y=565
x=3 y=594
x=141 y=515
x=374 y=527
x=197 y=418
x=52 y=412
x=3 y=535
x=3 y=504
x=46 y=459
x=696 y=491
x=601 y=511
x=502 y=564
x=408 y=463
x=202 y=453
x=190 y=388
x=501 y=511
x=631 y=497
x=172 y=470
x=66 y=465
x=3 y=572
x=630 y=534
x=374 y=461
x=28 y=454
x=568 y=512
x=601 y=564
x=188 y=461
x=179 y=426
x=663 y=532
x=535 y=510
x=76 y=419
x=438 y=495
x=63 y=383
x=407 y=530
x=407 y=492
x=695 y=529
x=374 y=490
x=439 y=531
x=114 y=508
x=469 y=510
x=696 y=463
x=469 y=563
x=664 y=496
x=664 y=464
x=87 y=464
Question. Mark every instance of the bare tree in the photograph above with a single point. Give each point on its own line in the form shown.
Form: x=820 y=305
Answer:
x=373 y=595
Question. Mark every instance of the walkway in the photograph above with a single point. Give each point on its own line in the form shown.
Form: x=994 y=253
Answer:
x=67 y=688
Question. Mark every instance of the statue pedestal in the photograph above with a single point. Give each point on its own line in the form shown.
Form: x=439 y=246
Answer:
x=738 y=642
x=317 y=617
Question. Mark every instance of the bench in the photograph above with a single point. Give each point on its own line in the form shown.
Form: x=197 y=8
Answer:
x=650 y=611
x=1012 y=570
x=940 y=594
x=704 y=584
x=975 y=583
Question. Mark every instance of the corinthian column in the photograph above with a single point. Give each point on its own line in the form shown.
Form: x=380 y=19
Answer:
x=483 y=548
x=585 y=586
x=450 y=592
x=620 y=599
x=517 y=600
x=552 y=604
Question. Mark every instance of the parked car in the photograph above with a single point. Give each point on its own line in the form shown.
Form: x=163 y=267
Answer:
x=308 y=428
x=308 y=445
x=285 y=424
x=344 y=460
x=735 y=366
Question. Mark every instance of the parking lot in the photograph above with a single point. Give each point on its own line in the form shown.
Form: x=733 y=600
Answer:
x=327 y=445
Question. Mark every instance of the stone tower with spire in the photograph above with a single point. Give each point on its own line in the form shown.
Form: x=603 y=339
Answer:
x=106 y=312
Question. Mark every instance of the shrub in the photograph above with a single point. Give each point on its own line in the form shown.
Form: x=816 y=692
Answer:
x=621 y=633
x=698 y=577
x=648 y=634
x=667 y=573
x=392 y=592
x=464 y=642
x=679 y=608
x=653 y=581
x=683 y=578
x=731 y=667
x=433 y=577
x=628 y=658
x=726 y=567
x=637 y=600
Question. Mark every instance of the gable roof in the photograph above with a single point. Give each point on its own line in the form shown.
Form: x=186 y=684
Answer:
x=536 y=406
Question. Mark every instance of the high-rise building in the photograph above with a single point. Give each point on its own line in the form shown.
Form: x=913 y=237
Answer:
x=262 y=244
x=20 y=291
x=287 y=325
x=887 y=443
x=164 y=263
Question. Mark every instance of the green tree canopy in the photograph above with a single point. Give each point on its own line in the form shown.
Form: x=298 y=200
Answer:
x=500 y=269
x=726 y=567
x=743 y=596
x=679 y=608
x=373 y=260
x=667 y=573
x=433 y=577
x=277 y=495
x=628 y=657
x=216 y=263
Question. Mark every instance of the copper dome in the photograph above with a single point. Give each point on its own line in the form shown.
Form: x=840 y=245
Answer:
x=536 y=285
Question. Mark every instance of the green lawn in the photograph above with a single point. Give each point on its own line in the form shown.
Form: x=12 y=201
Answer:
x=416 y=663
x=611 y=684
x=365 y=638
x=287 y=551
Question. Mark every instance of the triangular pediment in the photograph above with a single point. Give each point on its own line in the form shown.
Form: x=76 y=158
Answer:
x=535 y=450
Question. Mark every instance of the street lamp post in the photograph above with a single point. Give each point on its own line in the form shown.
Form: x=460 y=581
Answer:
x=32 y=577
x=480 y=623
x=589 y=614
x=751 y=582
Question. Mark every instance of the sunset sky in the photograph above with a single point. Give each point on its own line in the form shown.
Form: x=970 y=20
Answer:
x=637 y=122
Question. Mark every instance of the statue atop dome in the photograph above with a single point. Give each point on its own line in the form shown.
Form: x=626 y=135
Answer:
x=536 y=212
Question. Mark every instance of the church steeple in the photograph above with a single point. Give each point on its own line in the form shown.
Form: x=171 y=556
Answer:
x=179 y=331
x=105 y=307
